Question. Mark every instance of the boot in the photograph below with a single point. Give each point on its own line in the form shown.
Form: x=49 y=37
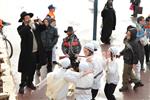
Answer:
x=123 y=89
x=21 y=90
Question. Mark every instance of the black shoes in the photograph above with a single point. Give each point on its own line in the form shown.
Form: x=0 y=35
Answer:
x=124 y=89
x=142 y=69
x=138 y=84
x=32 y=87
x=21 y=90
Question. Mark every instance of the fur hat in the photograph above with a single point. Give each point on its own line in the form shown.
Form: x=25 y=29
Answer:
x=65 y=63
x=89 y=46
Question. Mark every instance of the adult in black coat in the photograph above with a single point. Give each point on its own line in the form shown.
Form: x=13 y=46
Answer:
x=108 y=22
x=31 y=50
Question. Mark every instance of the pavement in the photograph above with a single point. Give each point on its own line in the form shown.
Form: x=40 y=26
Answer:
x=83 y=27
x=142 y=93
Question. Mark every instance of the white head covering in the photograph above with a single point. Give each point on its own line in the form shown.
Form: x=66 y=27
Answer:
x=89 y=46
x=113 y=50
x=95 y=45
x=83 y=65
x=65 y=62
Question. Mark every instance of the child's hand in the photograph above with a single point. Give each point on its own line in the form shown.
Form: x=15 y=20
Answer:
x=88 y=71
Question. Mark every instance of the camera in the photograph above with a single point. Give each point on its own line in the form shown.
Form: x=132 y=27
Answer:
x=36 y=20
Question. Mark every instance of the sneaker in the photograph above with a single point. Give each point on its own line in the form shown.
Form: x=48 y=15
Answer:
x=21 y=90
x=141 y=84
x=133 y=15
x=138 y=84
x=32 y=87
x=147 y=63
x=142 y=69
x=123 y=89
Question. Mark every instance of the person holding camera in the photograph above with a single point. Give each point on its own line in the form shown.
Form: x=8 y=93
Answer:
x=31 y=52
x=49 y=39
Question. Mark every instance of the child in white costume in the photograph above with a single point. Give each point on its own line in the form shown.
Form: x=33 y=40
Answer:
x=83 y=81
x=112 y=75
x=96 y=64
x=57 y=87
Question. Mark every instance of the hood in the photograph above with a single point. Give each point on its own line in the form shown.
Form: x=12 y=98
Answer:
x=133 y=33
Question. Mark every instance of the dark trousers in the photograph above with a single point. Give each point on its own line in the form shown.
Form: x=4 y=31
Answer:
x=94 y=93
x=146 y=49
x=105 y=35
x=109 y=90
x=27 y=77
x=49 y=59
x=73 y=61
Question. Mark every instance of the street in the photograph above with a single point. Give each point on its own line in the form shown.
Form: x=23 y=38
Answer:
x=78 y=14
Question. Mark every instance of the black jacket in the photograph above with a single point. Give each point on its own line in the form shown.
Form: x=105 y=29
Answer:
x=131 y=51
x=49 y=38
x=25 y=58
x=109 y=18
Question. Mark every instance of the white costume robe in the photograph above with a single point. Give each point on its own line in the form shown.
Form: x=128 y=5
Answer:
x=82 y=83
x=57 y=87
x=97 y=65
x=112 y=74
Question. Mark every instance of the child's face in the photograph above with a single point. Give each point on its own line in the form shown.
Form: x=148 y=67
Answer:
x=107 y=54
x=148 y=22
x=52 y=10
x=86 y=52
x=142 y=22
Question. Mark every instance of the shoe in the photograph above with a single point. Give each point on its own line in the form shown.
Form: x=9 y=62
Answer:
x=32 y=87
x=147 y=63
x=133 y=15
x=123 y=89
x=141 y=84
x=21 y=90
x=142 y=69
x=138 y=84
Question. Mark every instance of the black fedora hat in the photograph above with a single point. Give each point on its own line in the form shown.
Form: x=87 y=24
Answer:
x=70 y=29
x=51 y=7
x=23 y=14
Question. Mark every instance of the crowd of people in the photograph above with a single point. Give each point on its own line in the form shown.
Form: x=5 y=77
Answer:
x=82 y=74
